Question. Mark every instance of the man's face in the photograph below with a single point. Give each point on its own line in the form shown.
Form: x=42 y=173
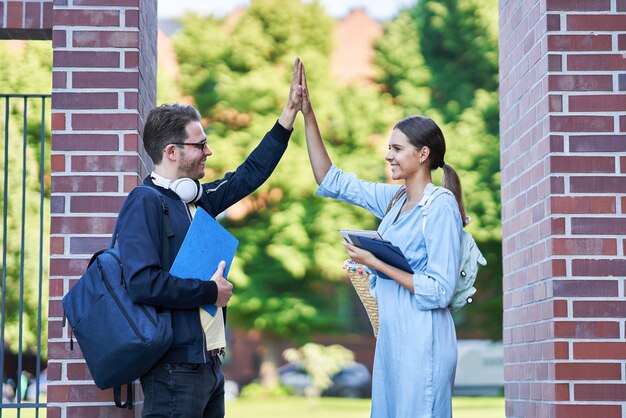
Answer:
x=193 y=157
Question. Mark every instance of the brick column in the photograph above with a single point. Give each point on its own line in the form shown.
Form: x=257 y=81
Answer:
x=104 y=83
x=563 y=158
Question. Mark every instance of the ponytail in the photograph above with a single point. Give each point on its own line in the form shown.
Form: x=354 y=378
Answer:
x=452 y=182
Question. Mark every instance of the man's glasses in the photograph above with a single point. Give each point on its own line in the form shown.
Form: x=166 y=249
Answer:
x=200 y=145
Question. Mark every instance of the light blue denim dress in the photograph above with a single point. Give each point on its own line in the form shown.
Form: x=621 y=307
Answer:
x=416 y=352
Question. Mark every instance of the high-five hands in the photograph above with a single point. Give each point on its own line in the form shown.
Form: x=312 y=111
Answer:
x=299 y=99
x=224 y=287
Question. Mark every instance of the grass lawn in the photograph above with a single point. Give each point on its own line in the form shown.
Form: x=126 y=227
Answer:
x=325 y=407
x=348 y=408
x=24 y=413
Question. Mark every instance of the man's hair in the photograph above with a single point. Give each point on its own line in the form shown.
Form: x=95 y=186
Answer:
x=167 y=124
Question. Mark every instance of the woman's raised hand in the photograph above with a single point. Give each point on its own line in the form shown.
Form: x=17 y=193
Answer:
x=320 y=161
x=306 y=108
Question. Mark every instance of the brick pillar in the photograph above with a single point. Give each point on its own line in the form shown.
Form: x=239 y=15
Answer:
x=563 y=158
x=104 y=83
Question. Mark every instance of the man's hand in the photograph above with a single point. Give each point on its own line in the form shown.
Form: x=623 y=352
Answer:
x=294 y=102
x=224 y=287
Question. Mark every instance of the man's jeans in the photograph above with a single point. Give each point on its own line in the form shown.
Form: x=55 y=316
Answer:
x=176 y=390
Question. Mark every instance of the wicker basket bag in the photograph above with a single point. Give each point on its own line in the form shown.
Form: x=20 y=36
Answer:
x=359 y=277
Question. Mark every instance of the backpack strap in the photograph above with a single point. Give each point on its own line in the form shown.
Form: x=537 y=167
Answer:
x=117 y=396
x=438 y=191
x=166 y=231
x=395 y=199
x=166 y=227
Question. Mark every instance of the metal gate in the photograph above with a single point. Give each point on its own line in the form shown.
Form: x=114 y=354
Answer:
x=25 y=179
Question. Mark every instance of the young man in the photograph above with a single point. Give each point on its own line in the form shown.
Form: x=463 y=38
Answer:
x=188 y=381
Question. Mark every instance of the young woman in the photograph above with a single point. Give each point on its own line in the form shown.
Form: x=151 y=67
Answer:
x=416 y=353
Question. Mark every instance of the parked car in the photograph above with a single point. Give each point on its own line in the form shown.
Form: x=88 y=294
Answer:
x=480 y=368
x=352 y=381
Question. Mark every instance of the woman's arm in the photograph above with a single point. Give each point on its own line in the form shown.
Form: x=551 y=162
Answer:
x=320 y=161
x=434 y=287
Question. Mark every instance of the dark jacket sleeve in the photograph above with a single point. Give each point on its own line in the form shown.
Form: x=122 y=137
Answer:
x=252 y=173
x=139 y=240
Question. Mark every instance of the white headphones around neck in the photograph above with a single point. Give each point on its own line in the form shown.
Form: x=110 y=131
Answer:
x=189 y=190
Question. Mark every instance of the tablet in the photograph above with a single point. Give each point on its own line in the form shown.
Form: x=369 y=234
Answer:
x=345 y=233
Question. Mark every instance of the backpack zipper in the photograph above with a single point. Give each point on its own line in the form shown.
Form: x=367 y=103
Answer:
x=119 y=304
x=123 y=283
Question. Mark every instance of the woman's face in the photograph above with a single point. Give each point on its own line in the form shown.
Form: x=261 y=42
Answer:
x=403 y=157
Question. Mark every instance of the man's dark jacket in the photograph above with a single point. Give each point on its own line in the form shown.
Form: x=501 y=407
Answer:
x=139 y=240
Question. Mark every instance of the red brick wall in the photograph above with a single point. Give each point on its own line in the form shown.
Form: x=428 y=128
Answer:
x=104 y=83
x=563 y=160
x=21 y=19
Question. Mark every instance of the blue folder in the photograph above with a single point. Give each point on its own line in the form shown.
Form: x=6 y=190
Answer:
x=384 y=251
x=205 y=245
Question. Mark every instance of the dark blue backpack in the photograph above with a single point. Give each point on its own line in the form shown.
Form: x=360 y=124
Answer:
x=120 y=340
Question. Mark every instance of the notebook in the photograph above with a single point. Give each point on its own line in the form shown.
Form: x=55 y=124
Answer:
x=205 y=245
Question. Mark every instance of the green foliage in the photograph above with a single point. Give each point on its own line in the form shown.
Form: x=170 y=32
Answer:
x=401 y=65
x=167 y=87
x=320 y=362
x=459 y=48
x=438 y=58
x=26 y=67
x=242 y=66
x=21 y=175
x=292 y=26
x=475 y=153
x=238 y=71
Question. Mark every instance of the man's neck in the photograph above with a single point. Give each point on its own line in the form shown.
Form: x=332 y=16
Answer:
x=165 y=172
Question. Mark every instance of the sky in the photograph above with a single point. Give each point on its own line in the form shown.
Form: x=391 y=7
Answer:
x=378 y=9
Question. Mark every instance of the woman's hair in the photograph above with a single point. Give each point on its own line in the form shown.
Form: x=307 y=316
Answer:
x=424 y=132
x=167 y=124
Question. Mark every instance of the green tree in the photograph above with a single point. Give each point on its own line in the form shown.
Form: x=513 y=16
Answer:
x=475 y=153
x=459 y=46
x=168 y=90
x=29 y=71
x=401 y=67
x=288 y=269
